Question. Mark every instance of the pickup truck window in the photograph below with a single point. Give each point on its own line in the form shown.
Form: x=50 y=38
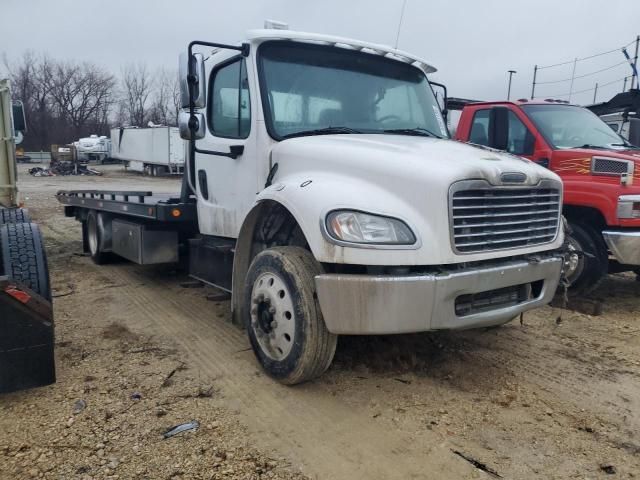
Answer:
x=306 y=88
x=567 y=126
x=520 y=141
x=229 y=106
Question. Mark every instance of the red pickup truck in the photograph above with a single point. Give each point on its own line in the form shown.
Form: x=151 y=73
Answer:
x=600 y=171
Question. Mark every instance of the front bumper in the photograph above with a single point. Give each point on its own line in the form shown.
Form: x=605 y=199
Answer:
x=369 y=304
x=624 y=245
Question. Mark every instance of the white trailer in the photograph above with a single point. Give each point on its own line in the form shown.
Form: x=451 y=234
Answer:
x=154 y=150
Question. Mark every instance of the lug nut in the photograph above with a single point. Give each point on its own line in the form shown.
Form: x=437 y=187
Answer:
x=274 y=324
x=272 y=310
x=267 y=300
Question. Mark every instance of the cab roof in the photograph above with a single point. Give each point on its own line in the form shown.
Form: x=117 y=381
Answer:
x=340 y=42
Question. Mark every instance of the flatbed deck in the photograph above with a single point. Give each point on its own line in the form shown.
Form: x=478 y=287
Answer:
x=140 y=204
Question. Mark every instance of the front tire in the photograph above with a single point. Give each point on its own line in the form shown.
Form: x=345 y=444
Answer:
x=587 y=267
x=284 y=322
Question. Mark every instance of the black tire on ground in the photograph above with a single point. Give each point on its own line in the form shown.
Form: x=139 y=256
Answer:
x=23 y=257
x=94 y=239
x=284 y=322
x=14 y=215
x=593 y=266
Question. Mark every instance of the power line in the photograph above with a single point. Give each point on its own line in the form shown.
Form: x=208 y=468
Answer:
x=624 y=62
x=584 y=91
x=587 y=58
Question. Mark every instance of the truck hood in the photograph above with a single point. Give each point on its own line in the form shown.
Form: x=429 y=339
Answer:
x=406 y=177
x=411 y=157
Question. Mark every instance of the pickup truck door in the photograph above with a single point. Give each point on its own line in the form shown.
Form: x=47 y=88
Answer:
x=226 y=186
x=506 y=128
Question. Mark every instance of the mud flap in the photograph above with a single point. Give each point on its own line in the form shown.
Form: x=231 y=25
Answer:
x=26 y=338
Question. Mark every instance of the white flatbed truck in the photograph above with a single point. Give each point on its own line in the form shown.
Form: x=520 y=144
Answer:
x=323 y=192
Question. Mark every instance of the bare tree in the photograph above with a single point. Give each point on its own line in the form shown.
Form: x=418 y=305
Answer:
x=136 y=86
x=62 y=100
x=82 y=94
x=163 y=108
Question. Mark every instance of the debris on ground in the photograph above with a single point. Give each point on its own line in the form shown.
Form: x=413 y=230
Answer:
x=184 y=427
x=63 y=169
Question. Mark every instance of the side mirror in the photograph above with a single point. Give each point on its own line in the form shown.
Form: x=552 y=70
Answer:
x=196 y=81
x=19 y=120
x=191 y=127
x=499 y=128
x=634 y=131
x=442 y=99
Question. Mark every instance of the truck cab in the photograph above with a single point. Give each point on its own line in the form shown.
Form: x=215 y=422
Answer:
x=600 y=171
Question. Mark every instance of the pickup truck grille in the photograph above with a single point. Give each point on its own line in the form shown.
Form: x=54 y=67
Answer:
x=497 y=218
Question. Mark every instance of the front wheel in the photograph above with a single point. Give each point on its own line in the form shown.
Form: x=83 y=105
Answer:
x=285 y=325
x=587 y=261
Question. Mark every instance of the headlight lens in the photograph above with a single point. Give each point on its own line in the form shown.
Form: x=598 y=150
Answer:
x=629 y=206
x=359 y=227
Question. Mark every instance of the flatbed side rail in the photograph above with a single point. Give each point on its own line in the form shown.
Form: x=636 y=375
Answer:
x=137 y=204
x=103 y=194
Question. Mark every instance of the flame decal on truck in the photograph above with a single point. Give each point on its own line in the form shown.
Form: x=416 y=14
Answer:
x=580 y=166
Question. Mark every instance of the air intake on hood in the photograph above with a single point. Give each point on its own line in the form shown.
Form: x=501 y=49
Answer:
x=485 y=217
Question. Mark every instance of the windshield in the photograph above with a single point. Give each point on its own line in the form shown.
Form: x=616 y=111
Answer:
x=315 y=89
x=566 y=126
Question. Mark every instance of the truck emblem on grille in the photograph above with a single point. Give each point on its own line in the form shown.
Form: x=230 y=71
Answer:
x=513 y=177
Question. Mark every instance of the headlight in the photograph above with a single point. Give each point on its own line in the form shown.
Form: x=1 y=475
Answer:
x=358 y=227
x=629 y=206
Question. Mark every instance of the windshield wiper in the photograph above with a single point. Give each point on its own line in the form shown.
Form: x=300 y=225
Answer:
x=418 y=131
x=588 y=145
x=626 y=145
x=322 y=131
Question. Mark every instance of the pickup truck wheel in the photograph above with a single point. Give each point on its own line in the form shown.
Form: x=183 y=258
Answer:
x=285 y=324
x=586 y=268
x=94 y=239
x=14 y=215
x=23 y=257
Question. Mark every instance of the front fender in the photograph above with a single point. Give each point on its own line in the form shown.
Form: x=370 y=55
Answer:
x=309 y=198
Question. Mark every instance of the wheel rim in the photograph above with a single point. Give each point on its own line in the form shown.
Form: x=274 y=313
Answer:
x=92 y=233
x=574 y=262
x=272 y=315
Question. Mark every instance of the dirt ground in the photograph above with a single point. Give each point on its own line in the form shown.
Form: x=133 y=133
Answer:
x=137 y=353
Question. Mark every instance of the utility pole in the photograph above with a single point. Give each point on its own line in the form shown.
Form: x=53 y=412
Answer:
x=635 y=64
x=533 y=85
x=511 y=72
x=573 y=75
x=595 y=92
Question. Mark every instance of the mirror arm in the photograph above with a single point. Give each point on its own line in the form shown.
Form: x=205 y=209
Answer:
x=234 y=151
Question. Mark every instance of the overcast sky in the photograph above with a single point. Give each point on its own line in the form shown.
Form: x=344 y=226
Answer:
x=472 y=42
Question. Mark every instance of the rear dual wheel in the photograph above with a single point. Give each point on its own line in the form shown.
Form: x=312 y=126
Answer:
x=285 y=325
x=94 y=235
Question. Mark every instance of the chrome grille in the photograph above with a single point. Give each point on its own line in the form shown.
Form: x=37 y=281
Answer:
x=496 y=218
x=610 y=166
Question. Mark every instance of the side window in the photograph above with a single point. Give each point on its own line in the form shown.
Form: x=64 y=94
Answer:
x=229 y=103
x=480 y=128
x=520 y=141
